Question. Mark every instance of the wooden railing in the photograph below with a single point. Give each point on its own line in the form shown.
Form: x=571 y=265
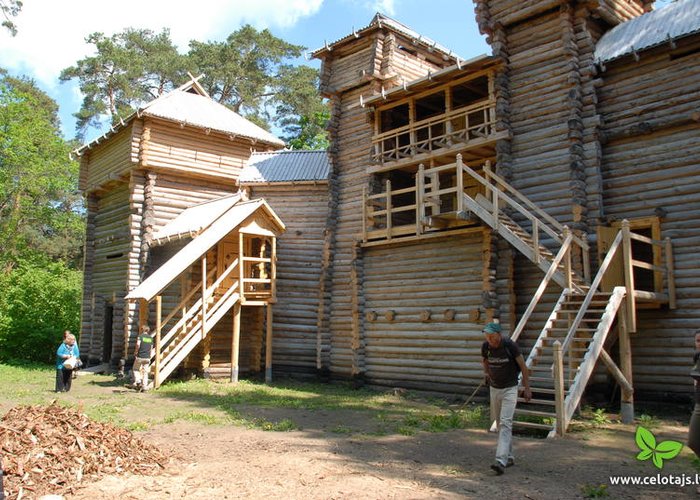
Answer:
x=461 y=126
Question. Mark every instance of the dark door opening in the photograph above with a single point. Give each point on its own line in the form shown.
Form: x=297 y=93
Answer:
x=107 y=335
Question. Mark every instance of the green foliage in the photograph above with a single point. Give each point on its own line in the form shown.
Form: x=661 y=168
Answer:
x=128 y=69
x=40 y=209
x=248 y=72
x=38 y=302
x=649 y=421
x=594 y=490
x=600 y=418
x=666 y=450
x=10 y=9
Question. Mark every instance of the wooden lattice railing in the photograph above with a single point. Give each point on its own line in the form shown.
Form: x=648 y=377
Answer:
x=459 y=127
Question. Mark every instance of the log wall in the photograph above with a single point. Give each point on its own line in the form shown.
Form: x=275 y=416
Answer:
x=303 y=209
x=106 y=162
x=107 y=245
x=192 y=152
x=422 y=323
x=651 y=167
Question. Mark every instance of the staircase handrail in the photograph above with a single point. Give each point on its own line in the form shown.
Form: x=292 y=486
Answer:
x=533 y=207
x=196 y=307
x=543 y=285
x=556 y=233
x=196 y=327
x=592 y=291
x=186 y=299
x=594 y=351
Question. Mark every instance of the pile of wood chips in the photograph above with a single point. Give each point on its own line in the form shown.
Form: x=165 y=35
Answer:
x=52 y=449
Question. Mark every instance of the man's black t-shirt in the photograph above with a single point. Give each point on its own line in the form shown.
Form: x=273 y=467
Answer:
x=503 y=370
x=145 y=346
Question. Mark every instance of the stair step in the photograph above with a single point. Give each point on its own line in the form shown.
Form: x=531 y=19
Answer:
x=544 y=402
x=534 y=413
x=532 y=425
x=543 y=390
x=566 y=330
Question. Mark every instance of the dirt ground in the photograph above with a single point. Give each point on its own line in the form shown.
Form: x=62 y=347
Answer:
x=317 y=462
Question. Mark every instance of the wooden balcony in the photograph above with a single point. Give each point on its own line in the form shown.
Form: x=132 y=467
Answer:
x=451 y=132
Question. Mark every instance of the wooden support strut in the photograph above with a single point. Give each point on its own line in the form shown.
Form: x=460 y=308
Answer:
x=235 y=341
x=159 y=315
x=268 y=345
x=560 y=428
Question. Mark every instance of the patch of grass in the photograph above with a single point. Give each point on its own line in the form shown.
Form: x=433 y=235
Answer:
x=196 y=417
x=594 y=490
x=695 y=462
x=649 y=421
x=600 y=418
x=446 y=422
x=138 y=426
x=284 y=425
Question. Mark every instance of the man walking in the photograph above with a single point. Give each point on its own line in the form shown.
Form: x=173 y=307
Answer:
x=143 y=353
x=502 y=362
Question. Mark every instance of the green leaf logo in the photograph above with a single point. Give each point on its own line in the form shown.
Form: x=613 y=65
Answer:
x=666 y=450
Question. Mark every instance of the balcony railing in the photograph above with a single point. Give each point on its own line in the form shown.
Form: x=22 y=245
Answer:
x=475 y=124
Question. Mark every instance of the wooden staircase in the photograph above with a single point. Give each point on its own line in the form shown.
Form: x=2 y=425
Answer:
x=571 y=342
x=197 y=320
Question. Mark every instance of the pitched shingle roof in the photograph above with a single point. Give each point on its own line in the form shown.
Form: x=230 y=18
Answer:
x=286 y=166
x=678 y=19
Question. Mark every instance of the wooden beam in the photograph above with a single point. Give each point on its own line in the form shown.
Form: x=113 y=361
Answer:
x=268 y=345
x=559 y=389
x=159 y=314
x=627 y=397
x=629 y=276
x=235 y=341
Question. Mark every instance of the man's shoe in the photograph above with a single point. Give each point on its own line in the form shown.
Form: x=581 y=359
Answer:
x=510 y=462
x=498 y=468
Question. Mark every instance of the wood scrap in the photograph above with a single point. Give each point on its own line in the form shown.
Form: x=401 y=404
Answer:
x=53 y=450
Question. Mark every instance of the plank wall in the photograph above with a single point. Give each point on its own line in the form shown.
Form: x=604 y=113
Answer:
x=419 y=346
x=107 y=161
x=304 y=210
x=192 y=152
x=652 y=167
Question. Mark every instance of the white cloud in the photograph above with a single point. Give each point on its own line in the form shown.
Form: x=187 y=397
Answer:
x=52 y=33
x=385 y=7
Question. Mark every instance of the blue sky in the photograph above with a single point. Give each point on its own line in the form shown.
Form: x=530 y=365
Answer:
x=51 y=33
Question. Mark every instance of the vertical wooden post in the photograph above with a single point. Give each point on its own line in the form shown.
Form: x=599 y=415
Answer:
x=183 y=292
x=670 y=280
x=629 y=276
x=420 y=204
x=159 y=318
x=235 y=341
x=586 y=257
x=204 y=295
x=567 y=261
x=492 y=102
x=364 y=214
x=268 y=345
x=388 y=209
x=241 y=267
x=460 y=185
x=627 y=397
x=273 y=269
x=536 y=239
x=412 y=130
x=559 y=389
x=448 y=110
